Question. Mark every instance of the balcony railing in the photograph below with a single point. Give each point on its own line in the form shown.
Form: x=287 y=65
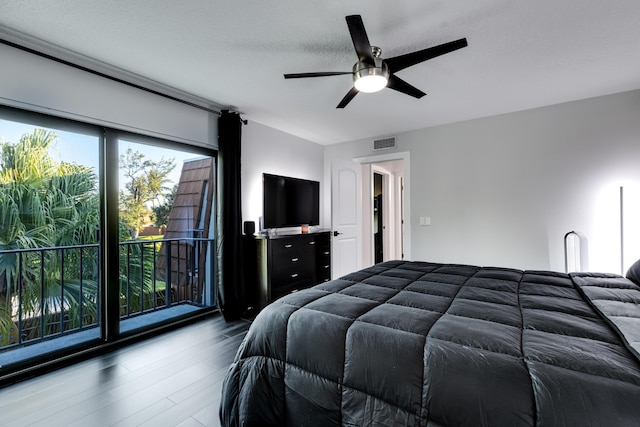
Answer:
x=49 y=292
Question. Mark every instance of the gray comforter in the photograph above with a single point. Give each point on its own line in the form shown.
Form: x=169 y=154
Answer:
x=425 y=344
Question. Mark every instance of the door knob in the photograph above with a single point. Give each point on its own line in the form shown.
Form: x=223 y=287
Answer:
x=335 y=233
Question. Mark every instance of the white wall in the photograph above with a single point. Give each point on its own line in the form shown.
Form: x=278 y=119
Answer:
x=504 y=190
x=267 y=150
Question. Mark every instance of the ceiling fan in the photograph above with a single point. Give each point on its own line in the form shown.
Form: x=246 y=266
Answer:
x=372 y=73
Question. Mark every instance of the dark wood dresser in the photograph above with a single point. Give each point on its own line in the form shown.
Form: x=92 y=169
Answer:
x=289 y=262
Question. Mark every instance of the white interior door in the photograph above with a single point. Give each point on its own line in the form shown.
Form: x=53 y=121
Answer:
x=346 y=251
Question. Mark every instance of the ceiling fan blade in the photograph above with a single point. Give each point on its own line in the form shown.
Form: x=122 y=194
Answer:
x=319 y=74
x=360 y=39
x=348 y=97
x=401 y=62
x=396 y=83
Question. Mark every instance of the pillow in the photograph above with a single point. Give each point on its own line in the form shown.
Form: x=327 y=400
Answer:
x=633 y=273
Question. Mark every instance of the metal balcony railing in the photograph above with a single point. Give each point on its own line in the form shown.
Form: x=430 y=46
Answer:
x=49 y=292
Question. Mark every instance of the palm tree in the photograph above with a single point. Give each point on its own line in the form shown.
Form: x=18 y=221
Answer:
x=46 y=204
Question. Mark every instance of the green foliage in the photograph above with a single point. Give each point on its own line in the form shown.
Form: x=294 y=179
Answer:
x=7 y=327
x=139 y=286
x=45 y=204
x=145 y=187
x=27 y=161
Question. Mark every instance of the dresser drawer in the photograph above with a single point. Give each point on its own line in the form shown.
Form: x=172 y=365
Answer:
x=323 y=273
x=289 y=279
x=288 y=247
x=291 y=258
x=295 y=269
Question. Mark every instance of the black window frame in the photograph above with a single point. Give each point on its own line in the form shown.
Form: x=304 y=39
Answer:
x=108 y=188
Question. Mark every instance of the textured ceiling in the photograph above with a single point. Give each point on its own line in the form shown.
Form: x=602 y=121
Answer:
x=521 y=54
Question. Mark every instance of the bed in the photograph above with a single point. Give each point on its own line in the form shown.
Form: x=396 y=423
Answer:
x=427 y=344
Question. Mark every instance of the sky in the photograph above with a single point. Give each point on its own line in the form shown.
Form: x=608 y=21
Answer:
x=84 y=149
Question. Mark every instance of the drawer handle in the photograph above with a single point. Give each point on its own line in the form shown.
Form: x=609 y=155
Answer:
x=325 y=267
x=294 y=259
x=312 y=242
x=326 y=253
x=288 y=246
x=294 y=275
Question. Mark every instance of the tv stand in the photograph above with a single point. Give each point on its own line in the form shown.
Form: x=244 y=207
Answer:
x=285 y=263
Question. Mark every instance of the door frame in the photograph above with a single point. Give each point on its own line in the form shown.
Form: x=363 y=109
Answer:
x=405 y=238
x=389 y=225
x=383 y=220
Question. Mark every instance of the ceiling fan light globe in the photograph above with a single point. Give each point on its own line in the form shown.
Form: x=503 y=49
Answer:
x=368 y=78
x=371 y=83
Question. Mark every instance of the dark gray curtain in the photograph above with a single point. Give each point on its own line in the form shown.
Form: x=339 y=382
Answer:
x=230 y=280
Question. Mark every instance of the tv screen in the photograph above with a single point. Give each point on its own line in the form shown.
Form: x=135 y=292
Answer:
x=290 y=202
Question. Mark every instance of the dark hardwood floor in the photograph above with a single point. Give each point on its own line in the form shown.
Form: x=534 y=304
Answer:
x=173 y=379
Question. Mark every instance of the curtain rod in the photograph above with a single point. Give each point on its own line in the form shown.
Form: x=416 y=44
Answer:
x=106 y=76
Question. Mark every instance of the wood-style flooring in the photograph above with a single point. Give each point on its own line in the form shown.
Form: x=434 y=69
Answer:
x=173 y=379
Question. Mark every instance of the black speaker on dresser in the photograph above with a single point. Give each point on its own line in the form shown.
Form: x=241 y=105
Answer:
x=249 y=228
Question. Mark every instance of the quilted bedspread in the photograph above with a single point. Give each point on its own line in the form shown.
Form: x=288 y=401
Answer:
x=426 y=344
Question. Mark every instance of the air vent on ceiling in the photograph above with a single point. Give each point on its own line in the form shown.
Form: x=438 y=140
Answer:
x=384 y=144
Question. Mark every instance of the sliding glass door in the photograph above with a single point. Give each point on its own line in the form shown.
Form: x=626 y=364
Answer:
x=102 y=234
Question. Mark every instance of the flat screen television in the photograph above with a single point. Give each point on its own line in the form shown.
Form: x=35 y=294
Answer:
x=289 y=202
